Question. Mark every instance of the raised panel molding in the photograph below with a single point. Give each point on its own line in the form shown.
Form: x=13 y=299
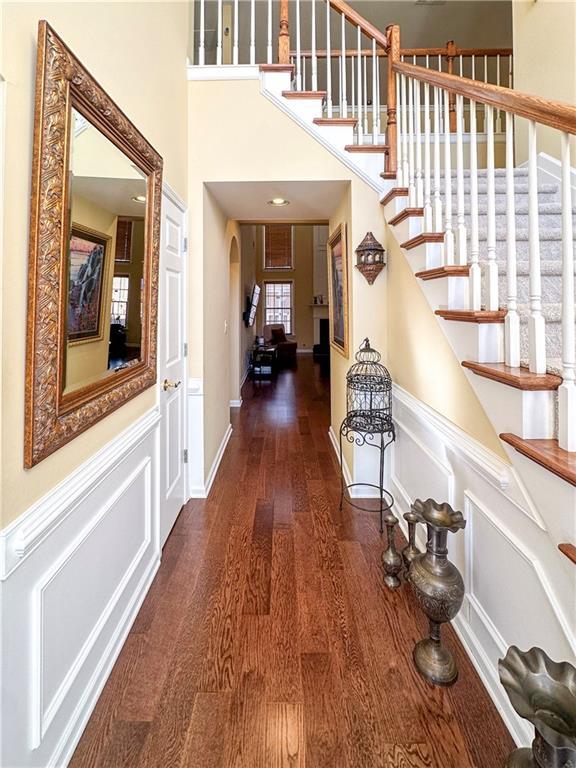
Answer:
x=77 y=567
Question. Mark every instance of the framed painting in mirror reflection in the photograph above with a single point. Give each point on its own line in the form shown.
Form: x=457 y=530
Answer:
x=87 y=263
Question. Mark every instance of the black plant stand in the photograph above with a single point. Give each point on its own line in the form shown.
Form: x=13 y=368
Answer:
x=379 y=434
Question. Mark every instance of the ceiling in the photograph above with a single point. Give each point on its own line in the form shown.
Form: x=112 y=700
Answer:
x=247 y=201
x=114 y=195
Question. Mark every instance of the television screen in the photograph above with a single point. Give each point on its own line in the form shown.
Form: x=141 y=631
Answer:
x=253 y=305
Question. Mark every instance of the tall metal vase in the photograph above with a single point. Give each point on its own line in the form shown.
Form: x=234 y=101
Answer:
x=543 y=692
x=439 y=588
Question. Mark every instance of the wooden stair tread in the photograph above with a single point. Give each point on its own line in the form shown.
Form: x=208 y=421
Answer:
x=371 y=148
x=276 y=67
x=423 y=237
x=470 y=316
x=453 y=270
x=394 y=192
x=569 y=550
x=304 y=94
x=520 y=378
x=547 y=453
x=336 y=121
x=406 y=214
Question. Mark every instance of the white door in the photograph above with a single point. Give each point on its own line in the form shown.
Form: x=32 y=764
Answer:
x=172 y=364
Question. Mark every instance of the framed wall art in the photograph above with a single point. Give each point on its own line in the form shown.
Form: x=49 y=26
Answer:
x=338 y=289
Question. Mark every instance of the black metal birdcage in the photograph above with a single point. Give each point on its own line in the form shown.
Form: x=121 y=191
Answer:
x=369 y=422
x=369 y=392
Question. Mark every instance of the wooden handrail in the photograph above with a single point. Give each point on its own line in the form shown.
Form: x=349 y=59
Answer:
x=556 y=114
x=335 y=53
x=355 y=18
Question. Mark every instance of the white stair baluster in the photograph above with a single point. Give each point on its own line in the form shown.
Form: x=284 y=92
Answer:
x=536 y=324
x=359 y=86
x=328 y=64
x=485 y=80
x=219 y=35
x=512 y=321
x=235 y=42
x=252 y=32
x=491 y=264
x=411 y=162
x=378 y=105
x=405 y=134
x=418 y=140
x=344 y=102
x=567 y=390
x=201 y=45
x=400 y=182
x=375 y=104
x=448 y=232
x=314 y=62
x=498 y=112
x=304 y=60
x=269 y=33
x=340 y=93
x=462 y=252
x=428 y=221
x=473 y=67
x=298 y=49
x=353 y=82
x=438 y=222
x=475 y=274
x=365 y=91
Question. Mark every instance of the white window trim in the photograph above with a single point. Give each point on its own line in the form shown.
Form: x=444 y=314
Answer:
x=278 y=269
x=292 y=293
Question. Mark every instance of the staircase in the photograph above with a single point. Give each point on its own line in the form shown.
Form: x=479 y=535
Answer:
x=490 y=242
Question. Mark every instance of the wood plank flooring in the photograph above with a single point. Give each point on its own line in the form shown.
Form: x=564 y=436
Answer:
x=268 y=640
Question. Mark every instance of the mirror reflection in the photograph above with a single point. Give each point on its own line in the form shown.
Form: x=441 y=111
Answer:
x=107 y=206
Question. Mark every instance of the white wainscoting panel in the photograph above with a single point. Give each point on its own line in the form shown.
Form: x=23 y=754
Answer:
x=518 y=589
x=75 y=569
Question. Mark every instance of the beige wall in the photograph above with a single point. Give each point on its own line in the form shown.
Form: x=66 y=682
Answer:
x=420 y=358
x=137 y=52
x=544 y=62
x=302 y=277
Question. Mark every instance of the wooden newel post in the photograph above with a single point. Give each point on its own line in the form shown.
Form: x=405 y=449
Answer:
x=284 y=34
x=393 y=52
x=450 y=56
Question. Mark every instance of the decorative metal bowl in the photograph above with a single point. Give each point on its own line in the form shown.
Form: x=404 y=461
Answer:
x=543 y=692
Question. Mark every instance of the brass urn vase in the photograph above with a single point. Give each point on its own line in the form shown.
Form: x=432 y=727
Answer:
x=439 y=588
x=543 y=692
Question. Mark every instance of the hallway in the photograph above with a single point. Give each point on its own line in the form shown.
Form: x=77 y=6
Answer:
x=267 y=638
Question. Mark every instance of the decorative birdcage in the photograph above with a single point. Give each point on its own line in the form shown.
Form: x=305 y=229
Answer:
x=369 y=393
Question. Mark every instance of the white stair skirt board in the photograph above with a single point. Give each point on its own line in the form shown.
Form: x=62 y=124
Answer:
x=75 y=569
x=505 y=553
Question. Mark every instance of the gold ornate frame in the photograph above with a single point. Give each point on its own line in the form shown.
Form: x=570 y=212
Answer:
x=339 y=235
x=53 y=418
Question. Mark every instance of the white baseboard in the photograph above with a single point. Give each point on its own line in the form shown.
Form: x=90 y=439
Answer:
x=236 y=403
x=345 y=469
x=202 y=491
x=304 y=351
x=76 y=567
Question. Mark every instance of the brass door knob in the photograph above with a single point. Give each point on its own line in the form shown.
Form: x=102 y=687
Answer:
x=170 y=384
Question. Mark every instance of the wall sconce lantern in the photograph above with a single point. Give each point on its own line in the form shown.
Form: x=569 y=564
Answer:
x=370 y=258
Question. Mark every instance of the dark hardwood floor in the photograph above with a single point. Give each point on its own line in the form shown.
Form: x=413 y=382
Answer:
x=268 y=639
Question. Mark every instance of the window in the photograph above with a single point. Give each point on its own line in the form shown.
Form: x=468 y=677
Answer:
x=123 y=240
x=278 y=246
x=120 y=285
x=278 y=304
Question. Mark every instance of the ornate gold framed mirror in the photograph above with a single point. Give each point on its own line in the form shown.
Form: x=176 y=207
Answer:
x=93 y=266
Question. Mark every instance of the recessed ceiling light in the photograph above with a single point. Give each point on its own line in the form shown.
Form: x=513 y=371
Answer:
x=278 y=201
x=139 y=199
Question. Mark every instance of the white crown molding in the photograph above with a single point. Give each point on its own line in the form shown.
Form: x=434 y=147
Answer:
x=482 y=459
x=195 y=72
x=320 y=139
x=22 y=536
